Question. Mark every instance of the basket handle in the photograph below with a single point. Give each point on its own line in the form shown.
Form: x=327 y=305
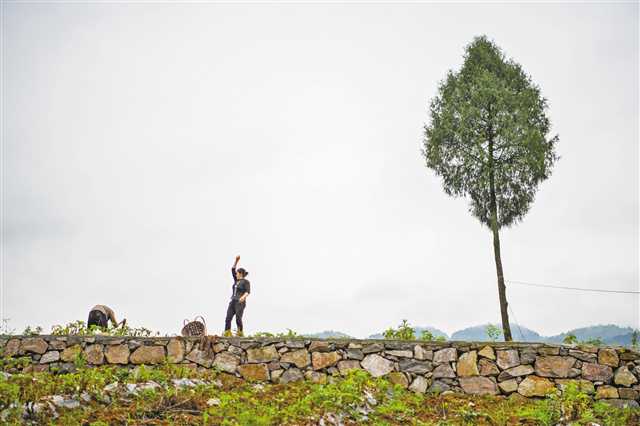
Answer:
x=203 y=321
x=185 y=322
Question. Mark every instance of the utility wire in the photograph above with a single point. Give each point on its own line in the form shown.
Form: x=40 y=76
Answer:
x=516 y=320
x=596 y=290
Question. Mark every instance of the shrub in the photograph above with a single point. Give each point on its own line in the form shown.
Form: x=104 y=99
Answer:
x=403 y=332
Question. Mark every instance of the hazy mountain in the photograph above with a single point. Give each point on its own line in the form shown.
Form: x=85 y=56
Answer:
x=436 y=332
x=478 y=333
x=329 y=334
x=610 y=333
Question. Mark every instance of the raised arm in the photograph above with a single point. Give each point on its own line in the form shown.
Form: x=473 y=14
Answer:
x=233 y=268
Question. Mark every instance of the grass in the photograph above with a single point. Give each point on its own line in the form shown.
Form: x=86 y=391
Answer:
x=223 y=399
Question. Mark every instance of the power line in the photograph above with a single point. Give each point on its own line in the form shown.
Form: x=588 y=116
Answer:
x=596 y=290
x=516 y=320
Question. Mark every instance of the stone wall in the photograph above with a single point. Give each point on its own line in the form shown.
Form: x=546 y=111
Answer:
x=531 y=369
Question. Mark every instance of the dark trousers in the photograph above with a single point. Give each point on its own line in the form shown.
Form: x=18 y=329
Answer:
x=235 y=308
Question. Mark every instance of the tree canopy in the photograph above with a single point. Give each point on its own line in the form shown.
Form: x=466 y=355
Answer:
x=488 y=133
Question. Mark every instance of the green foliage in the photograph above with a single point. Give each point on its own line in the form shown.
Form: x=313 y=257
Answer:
x=574 y=407
x=80 y=328
x=288 y=334
x=487 y=137
x=493 y=332
x=593 y=341
x=242 y=403
x=5 y=329
x=427 y=336
x=35 y=331
x=403 y=332
x=14 y=364
x=571 y=339
x=635 y=341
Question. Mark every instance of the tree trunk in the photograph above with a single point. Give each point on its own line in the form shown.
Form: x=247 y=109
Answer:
x=502 y=291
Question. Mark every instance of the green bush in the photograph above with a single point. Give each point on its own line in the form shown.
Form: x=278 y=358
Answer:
x=403 y=332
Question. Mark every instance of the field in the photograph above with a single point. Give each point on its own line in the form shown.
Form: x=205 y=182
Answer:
x=170 y=394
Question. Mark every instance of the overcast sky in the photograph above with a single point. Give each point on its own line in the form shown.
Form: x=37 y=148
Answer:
x=145 y=145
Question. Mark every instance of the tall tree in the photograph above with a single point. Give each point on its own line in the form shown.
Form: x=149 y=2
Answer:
x=488 y=140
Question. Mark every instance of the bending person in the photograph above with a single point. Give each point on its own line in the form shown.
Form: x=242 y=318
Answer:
x=100 y=315
x=241 y=290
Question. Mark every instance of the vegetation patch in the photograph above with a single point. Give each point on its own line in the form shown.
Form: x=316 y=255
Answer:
x=175 y=394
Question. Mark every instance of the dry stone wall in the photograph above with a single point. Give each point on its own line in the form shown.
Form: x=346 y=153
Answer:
x=530 y=369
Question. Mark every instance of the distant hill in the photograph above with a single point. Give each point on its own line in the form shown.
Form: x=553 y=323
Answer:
x=478 y=333
x=610 y=334
x=436 y=333
x=329 y=334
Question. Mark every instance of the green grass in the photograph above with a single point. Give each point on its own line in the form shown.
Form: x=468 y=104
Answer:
x=356 y=399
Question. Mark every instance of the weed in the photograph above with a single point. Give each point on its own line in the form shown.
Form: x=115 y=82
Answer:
x=493 y=332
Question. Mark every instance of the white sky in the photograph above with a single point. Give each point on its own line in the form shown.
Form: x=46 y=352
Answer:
x=145 y=145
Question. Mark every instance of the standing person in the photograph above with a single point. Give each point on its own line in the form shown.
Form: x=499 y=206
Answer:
x=100 y=315
x=241 y=290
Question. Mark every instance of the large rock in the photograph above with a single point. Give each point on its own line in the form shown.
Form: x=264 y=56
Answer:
x=94 y=354
x=148 y=355
x=71 y=353
x=507 y=359
x=444 y=371
x=226 y=362
x=376 y=365
x=413 y=366
x=51 y=356
x=606 y=392
x=419 y=385
x=316 y=377
x=478 y=385
x=254 y=372
x=624 y=377
x=508 y=386
x=117 y=354
x=175 y=351
x=527 y=356
x=536 y=386
x=488 y=368
x=583 y=356
x=263 y=354
x=299 y=358
x=345 y=366
x=400 y=353
x=421 y=354
x=608 y=356
x=34 y=344
x=319 y=346
x=445 y=355
x=487 y=352
x=467 y=364
x=355 y=353
x=520 y=370
x=373 y=348
x=596 y=372
x=628 y=393
x=291 y=375
x=398 y=378
x=321 y=360
x=200 y=358
x=12 y=348
x=554 y=366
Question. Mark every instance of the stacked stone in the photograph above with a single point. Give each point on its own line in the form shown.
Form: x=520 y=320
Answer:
x=530 y=369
